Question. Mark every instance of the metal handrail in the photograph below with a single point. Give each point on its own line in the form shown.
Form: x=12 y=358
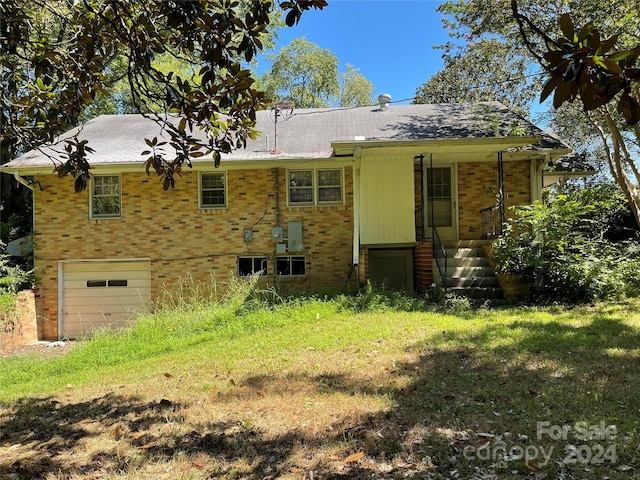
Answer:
x=492 y=221
x=440 y=256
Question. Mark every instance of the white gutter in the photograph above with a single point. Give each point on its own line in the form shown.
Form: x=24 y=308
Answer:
x=22 y=180
x=356 y=207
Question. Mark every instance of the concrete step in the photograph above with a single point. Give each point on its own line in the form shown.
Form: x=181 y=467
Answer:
x=469 y=271
x=477 y=293
x=466 y=243
x=473 y=282
x=465 y=252
x=470 y=274
x=468 y=262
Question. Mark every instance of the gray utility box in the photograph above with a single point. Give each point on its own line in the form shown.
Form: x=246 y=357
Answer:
x=294 y=233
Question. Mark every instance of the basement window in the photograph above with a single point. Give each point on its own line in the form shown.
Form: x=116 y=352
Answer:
x=291 y=266
x=251 y=265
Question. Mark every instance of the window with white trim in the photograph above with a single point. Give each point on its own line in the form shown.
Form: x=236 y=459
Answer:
x=322 y=186
x=290 y=266
x=213 y=190
x=251 y=265
x=106 y=200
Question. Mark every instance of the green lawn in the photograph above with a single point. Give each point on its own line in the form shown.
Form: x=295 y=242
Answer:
x=346 y=388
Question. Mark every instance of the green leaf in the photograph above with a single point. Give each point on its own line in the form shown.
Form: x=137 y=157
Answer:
x=616 y=57
x=564 y=92
x=292 y=18
x=606 y=45
x=629 y=108
x=566 y=24
x=584 y=33
x=549 y=88
x=80 y=183
x=555 y=57
x=608 y=65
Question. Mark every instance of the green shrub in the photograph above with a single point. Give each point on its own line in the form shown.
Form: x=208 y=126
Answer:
x=567 y=245
x=7 y=302
x=13 y=277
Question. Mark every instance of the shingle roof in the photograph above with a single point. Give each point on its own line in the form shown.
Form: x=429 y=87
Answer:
x=308 y=133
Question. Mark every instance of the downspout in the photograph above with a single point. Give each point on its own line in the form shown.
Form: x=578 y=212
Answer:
x=357 y=156
x=276 y=188
x=22 y=180
x=501 y=194
x=536 y=177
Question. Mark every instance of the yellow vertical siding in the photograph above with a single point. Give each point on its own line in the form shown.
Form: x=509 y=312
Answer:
x=387 y=200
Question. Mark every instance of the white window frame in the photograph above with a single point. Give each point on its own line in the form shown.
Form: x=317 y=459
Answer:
x=203 y=206
x=315 y=188
x=92 y=194
x=290 y=258
x=253 y=258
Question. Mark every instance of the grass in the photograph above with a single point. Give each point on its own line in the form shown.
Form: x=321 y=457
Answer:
x=7 y=302
x=349 y=387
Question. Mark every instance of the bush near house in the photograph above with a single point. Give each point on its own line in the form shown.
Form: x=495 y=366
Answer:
x=580 y=245
x=13 y=278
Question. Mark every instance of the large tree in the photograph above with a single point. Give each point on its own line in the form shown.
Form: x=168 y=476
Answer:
x=473 y=22
x=605 y=79
x=56 y=56
x=355 y=89
x=307 y=74
x=485 y=70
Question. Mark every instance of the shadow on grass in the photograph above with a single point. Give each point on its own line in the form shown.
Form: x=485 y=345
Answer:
x=52 y=427
x=459 y=395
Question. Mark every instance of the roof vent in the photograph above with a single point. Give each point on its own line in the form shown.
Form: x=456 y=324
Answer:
x=383 y=100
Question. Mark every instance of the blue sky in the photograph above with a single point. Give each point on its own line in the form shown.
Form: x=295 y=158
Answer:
x=390 y=41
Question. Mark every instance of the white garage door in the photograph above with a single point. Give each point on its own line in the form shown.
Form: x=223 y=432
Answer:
x=98 y=295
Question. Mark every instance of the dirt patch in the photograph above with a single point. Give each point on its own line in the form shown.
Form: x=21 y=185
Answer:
x=40 y=349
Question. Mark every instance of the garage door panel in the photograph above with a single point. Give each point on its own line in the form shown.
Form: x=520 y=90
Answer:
x=80 y=275
x=81 y=284
x=91 y=323
x=132 y=275
x=90 y=308
x=107 y=296
x=78 y=306
x=107 y=266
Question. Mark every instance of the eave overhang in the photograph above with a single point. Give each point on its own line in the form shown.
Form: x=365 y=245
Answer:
x=484 y=145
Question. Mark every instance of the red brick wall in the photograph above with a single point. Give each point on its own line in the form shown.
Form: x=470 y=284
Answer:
x=179 y=238
x=20 y=327
x=423 y=265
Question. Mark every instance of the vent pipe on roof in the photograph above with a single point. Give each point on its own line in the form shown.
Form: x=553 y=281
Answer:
x=383 y=100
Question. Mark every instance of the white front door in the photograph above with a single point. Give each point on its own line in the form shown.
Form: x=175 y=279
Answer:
x=441 y=187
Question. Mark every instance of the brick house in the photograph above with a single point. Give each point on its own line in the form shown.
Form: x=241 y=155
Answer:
x=323 y=198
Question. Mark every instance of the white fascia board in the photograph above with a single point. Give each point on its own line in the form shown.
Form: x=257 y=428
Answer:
x=138 y=167
x=457 y=145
